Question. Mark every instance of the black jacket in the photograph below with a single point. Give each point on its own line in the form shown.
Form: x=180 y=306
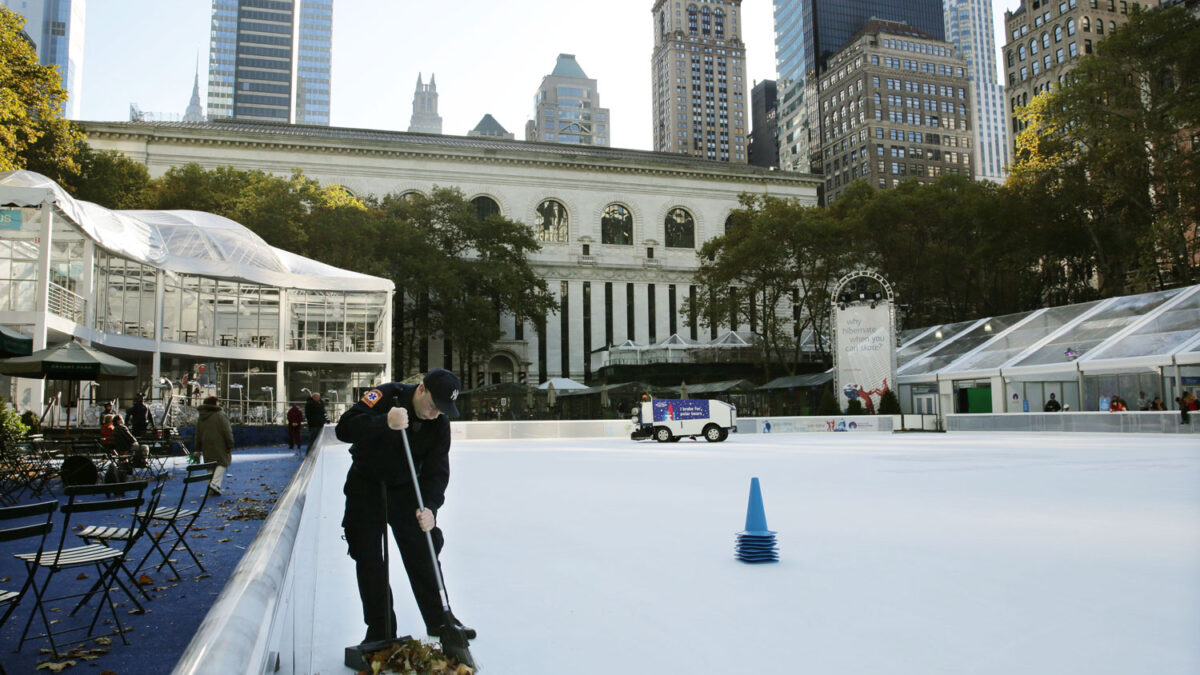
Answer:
x=138 y=418
x=314 y=412
x=378 y=451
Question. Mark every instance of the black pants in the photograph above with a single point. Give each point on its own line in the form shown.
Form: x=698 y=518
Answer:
x=364 y=527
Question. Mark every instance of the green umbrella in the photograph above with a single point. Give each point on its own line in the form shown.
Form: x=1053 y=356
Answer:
x=70 y=361
x=13 y=343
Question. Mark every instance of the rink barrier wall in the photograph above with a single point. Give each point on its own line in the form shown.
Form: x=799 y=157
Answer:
x=1138 y=422
x=236 y=634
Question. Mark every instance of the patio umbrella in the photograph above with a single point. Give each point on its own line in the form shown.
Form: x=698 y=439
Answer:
x=683 y=390
x=604 y=396
x=70 y=361
x=13 y=343
x=550 y=396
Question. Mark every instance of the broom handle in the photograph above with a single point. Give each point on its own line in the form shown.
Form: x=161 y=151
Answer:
x=412 y=468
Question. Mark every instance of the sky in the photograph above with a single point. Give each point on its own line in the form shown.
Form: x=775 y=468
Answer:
x=488 y=57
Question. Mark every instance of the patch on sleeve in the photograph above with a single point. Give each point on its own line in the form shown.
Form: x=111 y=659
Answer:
x=372 y=397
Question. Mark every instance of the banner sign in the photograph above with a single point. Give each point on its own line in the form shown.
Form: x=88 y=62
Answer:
x=671 y=409
x=863 y=362
x=10 y=219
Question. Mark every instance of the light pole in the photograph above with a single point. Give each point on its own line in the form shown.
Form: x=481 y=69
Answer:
x=241 y=413
x=270 y=397
x=334 y=394
x=168 y=399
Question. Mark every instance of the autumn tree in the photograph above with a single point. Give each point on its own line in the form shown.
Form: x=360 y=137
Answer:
x=33 y=133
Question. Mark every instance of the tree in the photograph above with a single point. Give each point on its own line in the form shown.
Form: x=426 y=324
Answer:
x=111 y=180
x=456 y=275
x=773 y=269
x=1112 y=148
x=33 y=133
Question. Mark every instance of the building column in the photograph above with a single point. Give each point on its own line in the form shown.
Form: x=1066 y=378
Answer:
x=34 y=394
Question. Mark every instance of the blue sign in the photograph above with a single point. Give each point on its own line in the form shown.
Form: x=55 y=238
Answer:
x=10 y=219
x=673 y=409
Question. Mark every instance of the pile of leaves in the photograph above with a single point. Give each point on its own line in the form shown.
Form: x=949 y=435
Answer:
x=71 y=658
x=414 y=657
x=246 y=508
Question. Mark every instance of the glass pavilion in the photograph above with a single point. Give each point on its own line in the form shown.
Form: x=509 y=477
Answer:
x=201 y=304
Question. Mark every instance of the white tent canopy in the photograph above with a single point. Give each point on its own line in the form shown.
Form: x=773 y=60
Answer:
x=188 y=242
x=562 y=384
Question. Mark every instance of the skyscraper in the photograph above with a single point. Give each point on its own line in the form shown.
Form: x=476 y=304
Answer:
x=425 y=118
x=567 y=108
x=194 y=112
x=270 y=60
x=969 y=27
x=806 y=33
x=56 y=28
x=764 y=138
x=699 y=78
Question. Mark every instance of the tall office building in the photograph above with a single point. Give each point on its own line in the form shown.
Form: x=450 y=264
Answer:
x=194 y=112
x=894 y=105
x=56 y=28
x=270 y=60
x=764 y=139
x=806 y=33
x=969 y=27
x=425 y=118
x=699 y=78
x=1045 y=40
x=567 y=108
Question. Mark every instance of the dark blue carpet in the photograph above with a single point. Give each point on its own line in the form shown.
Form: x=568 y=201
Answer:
x=158 y=637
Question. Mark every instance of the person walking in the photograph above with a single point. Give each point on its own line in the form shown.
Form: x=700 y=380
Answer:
x=379 y=465
x=314 y=412
x=214 y=440
x=294 y=417
x=138 y=417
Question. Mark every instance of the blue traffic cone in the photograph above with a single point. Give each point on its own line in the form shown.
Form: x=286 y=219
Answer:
x=756 y=544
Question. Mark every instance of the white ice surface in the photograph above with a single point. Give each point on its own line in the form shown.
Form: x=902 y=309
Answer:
x=917 y=554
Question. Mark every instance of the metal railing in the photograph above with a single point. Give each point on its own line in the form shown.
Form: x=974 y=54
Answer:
x=67 y=304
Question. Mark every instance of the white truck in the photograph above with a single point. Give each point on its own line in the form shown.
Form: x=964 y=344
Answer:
x=669 y=419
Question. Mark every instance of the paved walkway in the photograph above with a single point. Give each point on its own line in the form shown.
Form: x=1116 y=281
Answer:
x=158 y=637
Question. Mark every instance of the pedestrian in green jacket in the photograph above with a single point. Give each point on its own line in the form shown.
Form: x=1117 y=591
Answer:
x=214 y=440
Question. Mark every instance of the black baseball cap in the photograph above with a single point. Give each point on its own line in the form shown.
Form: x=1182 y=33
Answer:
x=444 y=386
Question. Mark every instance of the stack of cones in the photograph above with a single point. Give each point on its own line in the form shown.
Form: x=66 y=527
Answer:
x=756 y=544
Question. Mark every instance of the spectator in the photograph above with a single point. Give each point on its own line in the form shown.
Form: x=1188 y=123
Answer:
x=108 y=410
x=1143 y=403
x=1190 y=399
x=314 y=412
x=294 y=417
x=138 y=417
x=1157 y=404
x=107 y=429
x=1117 y=405
x=1052 y=405
x=214 y=440
x=126 y=443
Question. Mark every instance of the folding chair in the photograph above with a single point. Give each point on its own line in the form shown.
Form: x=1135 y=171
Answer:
x=106 y=560
x=129 y=536
x=176 y=515
x=10 y=599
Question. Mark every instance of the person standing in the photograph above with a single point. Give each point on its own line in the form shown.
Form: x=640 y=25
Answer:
x=314 y=412
x=214 y=440
x=294 y=417
x=1052 y=404
x=379 y=466
x=138 y=417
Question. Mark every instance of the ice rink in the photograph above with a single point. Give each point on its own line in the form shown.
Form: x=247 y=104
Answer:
x=900 y=554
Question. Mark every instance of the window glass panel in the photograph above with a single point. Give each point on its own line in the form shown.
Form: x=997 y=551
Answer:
x=680 y=229
x=552 y=221
x=616 y=225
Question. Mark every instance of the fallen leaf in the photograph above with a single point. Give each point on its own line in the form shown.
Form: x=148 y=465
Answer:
x=82 y=575
x=222 y=541
x=103 y=641
x=55 y=667
x=145 y=580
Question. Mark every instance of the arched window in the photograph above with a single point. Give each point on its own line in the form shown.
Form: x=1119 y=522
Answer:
x=730 y=222
x=680 y=228
x=1033 y=47
x=706 y=21
x=1021 y=52
x=878 y=100
x=692 y=19
x=719 y=24
x=412 y=195
x=1058 y=33
x=1010 y=59
x=1071 y=26
x=1099 y=26
x=484 y=207
x=1045 y=40
x=1087 y=25
x=552 y=221
x=616 y=226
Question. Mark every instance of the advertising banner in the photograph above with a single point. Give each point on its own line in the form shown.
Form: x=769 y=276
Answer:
x=672 y=409
x=863 y=362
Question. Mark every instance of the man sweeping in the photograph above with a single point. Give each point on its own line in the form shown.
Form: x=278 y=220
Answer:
x=379 y=487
